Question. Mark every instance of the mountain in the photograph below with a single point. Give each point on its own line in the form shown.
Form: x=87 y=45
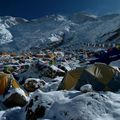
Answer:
x=18 y=34
x=6 y=23
x=82 y=17
x=9 y=21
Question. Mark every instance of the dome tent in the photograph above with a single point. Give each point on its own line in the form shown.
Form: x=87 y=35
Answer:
x=101 y=76
x=7 y=80
x=13 y=94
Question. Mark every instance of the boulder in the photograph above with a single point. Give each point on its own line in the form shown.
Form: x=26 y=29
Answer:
x=31 y=84
x=86 y=88
x=40 y=102
x=15 y=98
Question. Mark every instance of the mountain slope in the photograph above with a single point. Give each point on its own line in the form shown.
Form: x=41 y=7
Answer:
x=18 y=34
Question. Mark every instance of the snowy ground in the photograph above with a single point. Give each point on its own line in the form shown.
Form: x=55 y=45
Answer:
x=71 y=105
x=64 y=105
x=53 y=104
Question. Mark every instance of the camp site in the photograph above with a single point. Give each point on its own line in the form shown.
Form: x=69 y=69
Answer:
x=59 y=59
x=31 y=81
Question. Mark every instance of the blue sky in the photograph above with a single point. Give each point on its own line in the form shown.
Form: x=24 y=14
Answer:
x=38 y=8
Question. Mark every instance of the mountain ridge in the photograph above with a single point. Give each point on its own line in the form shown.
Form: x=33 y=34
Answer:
x=20 y=34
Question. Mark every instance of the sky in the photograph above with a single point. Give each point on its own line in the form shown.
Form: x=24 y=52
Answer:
x=31 y=9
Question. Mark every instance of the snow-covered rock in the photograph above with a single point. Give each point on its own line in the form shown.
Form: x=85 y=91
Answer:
x=15 y=113
x=43 y=103
x=5 y=35
x=67 y=105
x=73 y=105
x=86 y=88
x=15 y=97
x=31 y=84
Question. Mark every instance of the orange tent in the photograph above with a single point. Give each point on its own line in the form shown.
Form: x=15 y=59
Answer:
x=6 y=80
x=3 y=83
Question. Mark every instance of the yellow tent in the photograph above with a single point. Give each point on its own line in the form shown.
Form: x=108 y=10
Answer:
x=99 y=75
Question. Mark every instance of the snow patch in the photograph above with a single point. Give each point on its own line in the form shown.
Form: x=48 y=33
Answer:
x=5 y=35
x=55 y=38
x=17 y=90
x=60 y=18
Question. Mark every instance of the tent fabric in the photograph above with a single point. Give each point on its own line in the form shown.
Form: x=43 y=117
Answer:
x=101 y=76
x=87 y=78
x=102 y=72
x=7 y=81
x=3 y=82
x=15 y=84
x=71 y=78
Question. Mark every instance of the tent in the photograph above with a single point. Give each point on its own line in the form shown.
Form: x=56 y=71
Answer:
x=9 y=69
x=6 y=81
x=101 y=76
x=10 y=89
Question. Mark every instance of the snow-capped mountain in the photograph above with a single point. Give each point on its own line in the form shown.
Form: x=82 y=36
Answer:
x=18 y=34
x=5 y=35
x=9 y=21
x=82 y=17
x=6 y=23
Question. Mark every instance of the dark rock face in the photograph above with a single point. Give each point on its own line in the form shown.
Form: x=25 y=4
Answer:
x=38 y=113
x=49 y=71
x=15 y=100
x=33 y=85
